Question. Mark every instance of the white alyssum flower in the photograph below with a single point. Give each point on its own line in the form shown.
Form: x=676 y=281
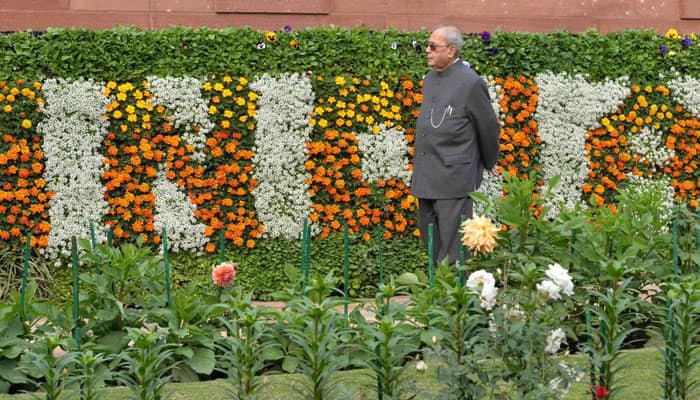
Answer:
x=648 y=144
x=183 y=97
x=73 y=131
x=686 y=90
x=281 y=198
x=549 y=289
x=560 y=276
x=554 y=341
x=568 y=107
x=175 y=212
x=384 y=155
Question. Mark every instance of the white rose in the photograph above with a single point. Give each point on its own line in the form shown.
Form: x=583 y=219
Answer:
x=549 y=289
x=561 y=277
x=554 y=341
x=480 y=278
x=488 y=295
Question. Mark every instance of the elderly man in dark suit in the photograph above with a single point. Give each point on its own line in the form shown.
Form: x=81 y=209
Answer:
x=456 y=140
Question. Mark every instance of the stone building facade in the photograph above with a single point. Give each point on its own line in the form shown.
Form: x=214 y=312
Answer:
x=469 y=15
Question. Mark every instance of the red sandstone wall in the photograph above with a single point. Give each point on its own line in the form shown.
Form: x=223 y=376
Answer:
x=469 y=15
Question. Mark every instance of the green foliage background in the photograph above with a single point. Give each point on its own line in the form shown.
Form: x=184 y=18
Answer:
x=129 y=53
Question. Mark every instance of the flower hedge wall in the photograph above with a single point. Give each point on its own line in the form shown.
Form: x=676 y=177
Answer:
x=143 y=145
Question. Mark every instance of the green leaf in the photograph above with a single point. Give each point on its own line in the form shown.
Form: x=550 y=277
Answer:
x=202 y=361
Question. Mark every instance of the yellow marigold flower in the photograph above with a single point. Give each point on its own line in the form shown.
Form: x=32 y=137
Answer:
x=10 y=98
x=322 y=123
x=228 y=114
x=252 y=96
x=206 y=86
x=479 y=234
x=340 y=81
x=251 y=127
x=130 y=109
x=212 y=110
x=672 y=34
x=121 y=96
x=242 y=81
x=112 y=85
x=218 y=87
x=227 y=93
x=7 y=108
x=26 y=124
x=369 y=120
x=376 y=130
x=240 y=101
x=225 y=124
x=132 y=118
x=117 y=114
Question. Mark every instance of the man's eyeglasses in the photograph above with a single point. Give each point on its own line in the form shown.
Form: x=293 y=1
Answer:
x=433 y=46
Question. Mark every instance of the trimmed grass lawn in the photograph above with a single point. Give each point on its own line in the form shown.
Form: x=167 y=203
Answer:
x=641 y=379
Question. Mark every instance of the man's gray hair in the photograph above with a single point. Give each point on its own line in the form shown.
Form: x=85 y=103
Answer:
x=453 y=36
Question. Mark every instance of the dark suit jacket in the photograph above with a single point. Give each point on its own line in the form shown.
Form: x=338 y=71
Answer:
x=456 y=136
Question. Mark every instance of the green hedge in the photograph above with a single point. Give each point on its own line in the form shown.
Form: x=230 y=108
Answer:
x=128 y=53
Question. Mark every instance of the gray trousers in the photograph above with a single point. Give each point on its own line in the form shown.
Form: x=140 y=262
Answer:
x=445 y=215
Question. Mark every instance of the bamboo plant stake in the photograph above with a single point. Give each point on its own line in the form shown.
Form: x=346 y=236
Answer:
x=76 y=293
x=167 y=269
x=25 y=274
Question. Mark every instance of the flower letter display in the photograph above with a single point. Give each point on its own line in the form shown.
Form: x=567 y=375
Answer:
x=73 y=131
x=568 y=106
x=174 y=210
x=281 y=198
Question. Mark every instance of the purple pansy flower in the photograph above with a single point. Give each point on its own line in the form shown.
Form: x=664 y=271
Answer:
x=663 y=49
x=486 y=37
x=287 y=28
x=492 y=51
x=686 y=42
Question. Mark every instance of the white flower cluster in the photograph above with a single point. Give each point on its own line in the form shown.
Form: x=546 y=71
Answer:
x=281 y=198
x=384 y=155
x=686 y=90
x=559 y=282
x=568 y=107
x=73 y=131
x=183 y=96
x=648 y=144
x=175 y=212
x=485 y=283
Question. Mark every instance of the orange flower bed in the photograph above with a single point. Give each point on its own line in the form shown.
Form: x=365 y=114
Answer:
x=23 y=195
